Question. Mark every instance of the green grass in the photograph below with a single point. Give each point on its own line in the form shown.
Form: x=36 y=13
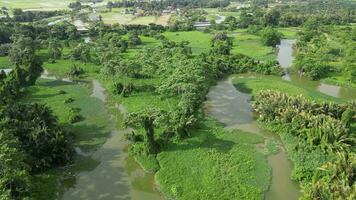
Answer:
x=214 y=164
x=199 y=41
x=256 y=83
x=45 y=185
x=135 y=102
x=143 y=20
x=89 y=133
x=289 y=33
x=62 y=66
x=36 y=4
x=250 y=45
x=116 y=16
x=4 y=62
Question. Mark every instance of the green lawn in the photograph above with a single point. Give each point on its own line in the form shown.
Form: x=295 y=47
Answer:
x=256 y=83
x=116 y=16
x=250 y=45
x=289 y=33
x=4 y=62
x=36 y=4
x=214 y=164
x=199 y=41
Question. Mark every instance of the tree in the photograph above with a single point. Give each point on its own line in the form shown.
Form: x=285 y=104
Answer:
x=221 y=43
x=271 y=18
x=109 y=5
x=81 y=52
x=22 y=55
x=43 y=141
x=75 y=6
x=134 y=39
x=54 y=49
x=270 y=37
x=14 y=176
x=145 y=119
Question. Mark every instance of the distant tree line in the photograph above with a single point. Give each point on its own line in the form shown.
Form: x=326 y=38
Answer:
x=161 y=5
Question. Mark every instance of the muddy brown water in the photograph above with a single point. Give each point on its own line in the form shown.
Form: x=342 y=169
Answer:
x=115 y=175
x=233 y=108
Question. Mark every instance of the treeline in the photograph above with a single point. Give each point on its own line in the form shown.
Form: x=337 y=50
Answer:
x=161 y=5
x=326 y=12
x=30 y=16
x=31 y=139
x=326 y=131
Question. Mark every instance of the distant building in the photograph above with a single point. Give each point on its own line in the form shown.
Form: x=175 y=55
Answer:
x=202 y=25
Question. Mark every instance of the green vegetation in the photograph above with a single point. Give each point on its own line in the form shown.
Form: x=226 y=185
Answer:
x=198 y=41
x=158 y=71
x=210 y=162
x=325 y=130
x=250 y=45
x=36 y=5
x=255 y=83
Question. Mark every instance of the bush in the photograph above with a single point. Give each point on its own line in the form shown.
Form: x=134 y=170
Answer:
x=75 y=71
x=270 y=37
x=75 y=116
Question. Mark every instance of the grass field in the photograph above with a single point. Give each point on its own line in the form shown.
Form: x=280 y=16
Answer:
x=36 y=4
x=289 y=33
x=4 y=62
x=199 y=41
x=41 y=4
x=116 y=16
x=214 y=164
x=250 y=45
x=256 y=83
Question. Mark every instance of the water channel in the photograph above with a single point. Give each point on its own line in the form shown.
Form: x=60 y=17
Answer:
x=117 y=176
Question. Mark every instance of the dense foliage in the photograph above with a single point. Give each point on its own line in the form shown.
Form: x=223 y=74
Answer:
x=325 y=130
x=30 y=136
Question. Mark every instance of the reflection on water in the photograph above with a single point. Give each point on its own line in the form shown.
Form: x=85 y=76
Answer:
x=233 y=108
x=109 y=173
x=228 y=105
x=285 y=56
x=281 y=171
x=98 y=91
